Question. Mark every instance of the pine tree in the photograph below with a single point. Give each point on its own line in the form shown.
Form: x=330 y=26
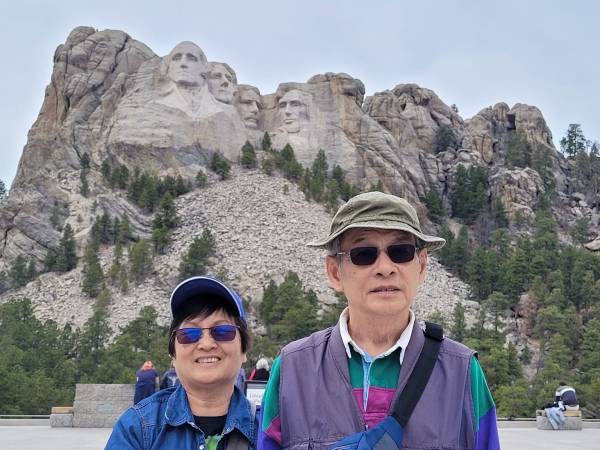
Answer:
x=67 y=256
x=469 y=193
x=85 y=161
x=125 y=232
x=93 y=277
x=106 y=170
x=161 y=237
x=291 y=168
x=95 y=335
x=116 y=267
x=148 y=194
x=318 y=177
x=123 y=280
x=497 y=305
x=181 y=186
x=574 y=141
x=288 y=311
x=266 y=142
x=519 y=151
x=460 y=252
x=446 y=253
x=499 y=214
x=437 y=316
x=50 y=260
x=18 y=272
x=166 y=216
x=444 y=138
x=201 y=179
x=332 y=195
x=140 y=261
x=580 y=230
x=267 y=166
x=248 y=158
x=198 y=255
x=55 y=216
x=433 y=201
x=459 y=325
x=220 y=166
x=120 y=177
x=84 y=187
x=115 y=229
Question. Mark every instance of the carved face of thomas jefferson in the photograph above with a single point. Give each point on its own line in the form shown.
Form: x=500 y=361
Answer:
x=293 y=110
x=222 y=82
x=187 y=65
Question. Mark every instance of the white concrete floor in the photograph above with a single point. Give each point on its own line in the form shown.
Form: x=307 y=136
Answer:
x=46 y=438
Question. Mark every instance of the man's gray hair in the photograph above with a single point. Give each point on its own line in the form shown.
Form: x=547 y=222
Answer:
x=335 y=246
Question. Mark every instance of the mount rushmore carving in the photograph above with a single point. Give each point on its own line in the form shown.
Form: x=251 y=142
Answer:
x=111 y=97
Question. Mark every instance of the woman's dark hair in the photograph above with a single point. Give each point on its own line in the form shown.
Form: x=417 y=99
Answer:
x=204 y=307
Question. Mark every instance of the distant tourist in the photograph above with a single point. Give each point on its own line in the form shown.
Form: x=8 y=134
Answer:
x=261 y=372
x=565 y=399
x=169 y=378
x=146 y=381
x=338 y=385
x=208 y=341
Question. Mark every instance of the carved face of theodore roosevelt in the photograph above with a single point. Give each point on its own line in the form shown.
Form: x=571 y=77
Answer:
x=248 y=105
x=187 y=65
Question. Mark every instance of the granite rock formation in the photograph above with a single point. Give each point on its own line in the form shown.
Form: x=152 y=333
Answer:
x=113 y=99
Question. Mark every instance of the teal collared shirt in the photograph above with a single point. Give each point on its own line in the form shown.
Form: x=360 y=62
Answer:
x=366 y=359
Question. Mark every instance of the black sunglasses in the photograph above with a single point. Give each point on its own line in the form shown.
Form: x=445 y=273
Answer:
x=398 y=253
x=220 y=333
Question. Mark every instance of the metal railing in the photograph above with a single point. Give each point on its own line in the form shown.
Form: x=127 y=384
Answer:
x=24 y=416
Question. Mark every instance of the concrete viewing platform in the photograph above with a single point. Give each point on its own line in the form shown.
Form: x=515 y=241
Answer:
x=514 y=435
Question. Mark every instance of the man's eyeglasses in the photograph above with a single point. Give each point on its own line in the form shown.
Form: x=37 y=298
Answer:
x=398 y=253
x=220 y=333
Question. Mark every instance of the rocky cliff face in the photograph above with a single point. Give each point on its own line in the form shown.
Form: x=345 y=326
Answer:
x=112 y=99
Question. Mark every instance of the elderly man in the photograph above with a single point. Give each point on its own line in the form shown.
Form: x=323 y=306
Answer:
x=344 y=379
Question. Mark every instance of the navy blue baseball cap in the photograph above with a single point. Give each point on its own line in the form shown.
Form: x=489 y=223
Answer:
x=205 y=287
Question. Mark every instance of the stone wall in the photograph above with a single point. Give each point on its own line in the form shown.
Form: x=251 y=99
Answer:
x=100 y=405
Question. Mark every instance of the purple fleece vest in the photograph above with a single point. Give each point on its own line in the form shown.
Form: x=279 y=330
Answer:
x=317 y=407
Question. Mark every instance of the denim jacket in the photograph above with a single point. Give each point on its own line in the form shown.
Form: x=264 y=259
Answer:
x=165 y=421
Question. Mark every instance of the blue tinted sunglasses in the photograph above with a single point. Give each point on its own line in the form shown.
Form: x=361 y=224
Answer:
x=220 y=333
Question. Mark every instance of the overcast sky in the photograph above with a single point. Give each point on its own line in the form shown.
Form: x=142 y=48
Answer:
x=471 y=53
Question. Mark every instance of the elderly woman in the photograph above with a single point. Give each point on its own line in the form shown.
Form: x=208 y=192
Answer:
x=208 y=343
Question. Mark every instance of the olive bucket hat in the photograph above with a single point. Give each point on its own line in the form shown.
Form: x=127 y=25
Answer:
x=378 y=210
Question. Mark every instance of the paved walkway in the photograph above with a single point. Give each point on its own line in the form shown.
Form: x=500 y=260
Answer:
x=46 y=438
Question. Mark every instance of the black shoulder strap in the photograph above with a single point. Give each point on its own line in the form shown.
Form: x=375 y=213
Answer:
x=408 y=399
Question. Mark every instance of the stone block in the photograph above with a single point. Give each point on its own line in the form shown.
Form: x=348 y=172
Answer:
x=571 y=423
x=58 y=420
x=100 y=405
